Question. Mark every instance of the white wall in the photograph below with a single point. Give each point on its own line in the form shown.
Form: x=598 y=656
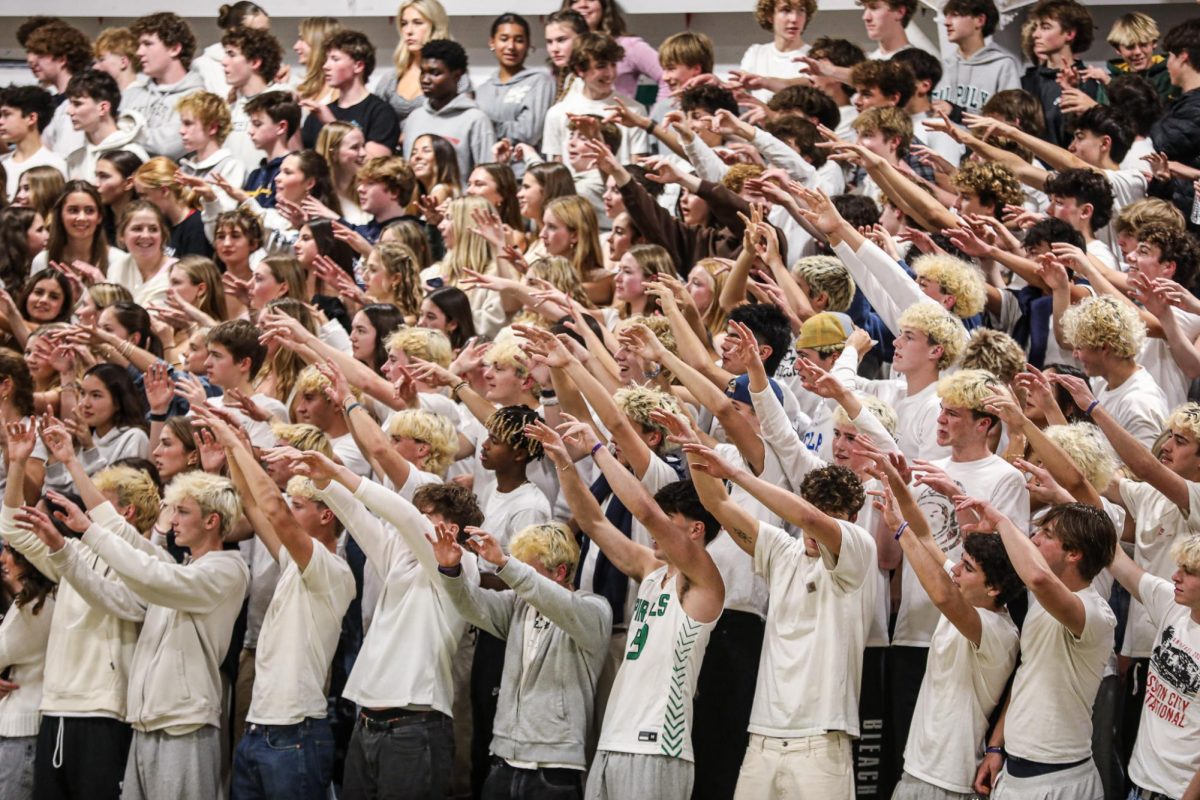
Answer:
x=731 y=32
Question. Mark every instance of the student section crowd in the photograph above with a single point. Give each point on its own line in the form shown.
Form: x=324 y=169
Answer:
x=824 y=429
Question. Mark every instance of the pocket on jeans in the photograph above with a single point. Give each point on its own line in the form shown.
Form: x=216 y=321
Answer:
x=563 y=783
x=283 y=740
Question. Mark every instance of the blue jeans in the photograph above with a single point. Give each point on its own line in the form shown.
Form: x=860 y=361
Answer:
x=407 y=758
x=284 y=761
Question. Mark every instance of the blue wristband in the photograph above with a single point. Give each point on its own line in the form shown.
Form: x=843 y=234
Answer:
x=903 y=527
x=596 y=448
x=1091 y=407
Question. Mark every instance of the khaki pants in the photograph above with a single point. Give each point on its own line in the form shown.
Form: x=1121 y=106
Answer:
x=810 y=768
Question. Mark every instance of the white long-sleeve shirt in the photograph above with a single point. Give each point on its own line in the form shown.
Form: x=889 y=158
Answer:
x=414 y=616
x=23 y=638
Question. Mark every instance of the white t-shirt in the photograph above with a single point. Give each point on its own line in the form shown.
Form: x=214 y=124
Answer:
x=744 y=590
x=260 y=433
x=634 y=141
x=1050 y=714
x=811 y=663
x=299 y=635
x=962 y=686
x=916 y=431
x=1138 y=404
x=1157 y=524
x=43 y=157
x=1167 y=754
x=764 y=59
x=1128 y=186
x=347 y=451
x=1106 y=255
x=1156 y=359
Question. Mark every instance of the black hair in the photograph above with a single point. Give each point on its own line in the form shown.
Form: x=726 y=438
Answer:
x=454 y=303
x=975 y=8
x=52 y=507
x=988 y=551
x=98 y=85
x=638 y=173
x=278 y=106
x=810 y=102
x=857 y=209
x=129 y=404
x=510 y=18
x=507 y=424
x=1184 y=38
x=30 y=100
x=136 y=319
x=1050 y=231
x=924 y=66
x=448 y=52
x=770 y=327
x=64 y=286
x=708 y=98
x=1062 y=397
x=680 y=498
x=329 y=245
x=1136 y=101
x=126 y=162
x=384 y=318
x=1105 y=121
x=1084 y=186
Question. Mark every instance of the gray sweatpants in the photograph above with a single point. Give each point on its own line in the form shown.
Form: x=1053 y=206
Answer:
x=627 y=776
x=1077 y=783
x=911 y=788
x=16 y=767
x=186 y=767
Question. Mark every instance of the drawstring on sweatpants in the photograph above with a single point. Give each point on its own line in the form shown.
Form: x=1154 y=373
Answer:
x=56 y=760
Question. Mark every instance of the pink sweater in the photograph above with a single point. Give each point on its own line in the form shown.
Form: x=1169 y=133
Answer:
x=640 y=59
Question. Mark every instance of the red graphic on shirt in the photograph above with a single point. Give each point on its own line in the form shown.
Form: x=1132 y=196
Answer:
x=1165 y=703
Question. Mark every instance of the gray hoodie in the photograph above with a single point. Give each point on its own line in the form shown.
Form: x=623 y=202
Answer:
x=518 y=108
x=156 y=104
x=461 y=123
x=969 y=83
x=81 y=164
x=545 y=707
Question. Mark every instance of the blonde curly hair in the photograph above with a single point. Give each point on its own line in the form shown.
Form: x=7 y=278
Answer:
x=877 y=408
x=1186 y=552
x=214 y=494
x=426 y=344
x=995 y=184
x=968 y=388
x=432 y=429
x=1105 y=322
x=1089 y=449
x=955 y=277
x=940 y=326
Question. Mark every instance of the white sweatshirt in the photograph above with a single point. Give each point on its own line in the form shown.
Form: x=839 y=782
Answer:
x=23 y=637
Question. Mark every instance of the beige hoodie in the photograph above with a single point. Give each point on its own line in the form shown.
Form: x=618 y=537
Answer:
x=174 y=683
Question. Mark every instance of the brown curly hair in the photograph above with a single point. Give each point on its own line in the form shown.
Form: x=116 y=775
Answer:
x=60 y=40
x=171 y=29
x=834 y=489
x=764 y=12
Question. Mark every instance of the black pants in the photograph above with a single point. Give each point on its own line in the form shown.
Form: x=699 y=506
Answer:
x=721 y=709
x=486 y=671
x=92 y=752
x=905 y=671
x=506 y=782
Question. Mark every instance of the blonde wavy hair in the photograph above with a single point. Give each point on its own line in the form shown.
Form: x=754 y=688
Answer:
x=431 y=429
x=159 y=173
x=1186 y=419
x=579 y=217
x=638 y=401
x=315 y=31
x=968 y=388
x=550 y=543
x=884 y=413
x=993 y=183
x=303 y=436
x=1105 y=322
x=955 y=277
x=426 y=344
x=471 y=250
x=829 y=275
x=1089 y=449
x=133 y=488
x=439 y=28
x=940 y=326
x=715 y=318
x=213 y=493
x=996 y=352
x=1186 y=552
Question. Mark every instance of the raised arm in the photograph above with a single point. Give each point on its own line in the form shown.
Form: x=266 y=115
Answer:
x=631 y=558
x=1054 y=596
x=708 y=470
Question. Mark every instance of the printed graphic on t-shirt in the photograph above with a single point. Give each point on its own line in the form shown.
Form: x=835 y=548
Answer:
x=1174 y=681
x=643 y=613
x=943 y=521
